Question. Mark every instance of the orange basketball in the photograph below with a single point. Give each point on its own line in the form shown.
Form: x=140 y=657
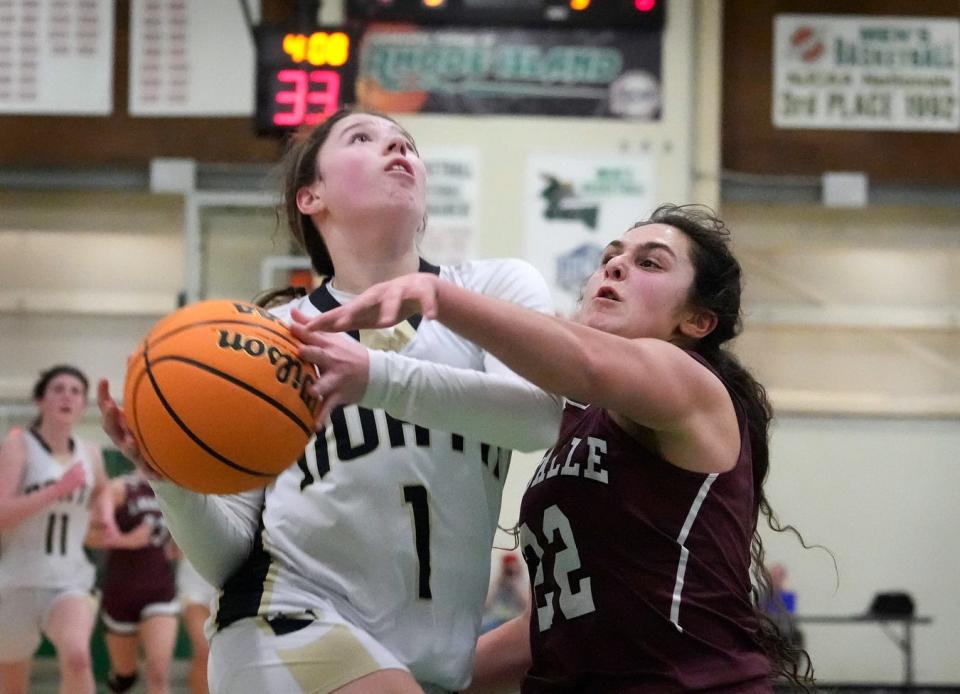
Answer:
x=218 y=398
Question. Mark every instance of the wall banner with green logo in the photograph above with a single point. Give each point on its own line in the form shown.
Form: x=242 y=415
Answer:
x=564 y=72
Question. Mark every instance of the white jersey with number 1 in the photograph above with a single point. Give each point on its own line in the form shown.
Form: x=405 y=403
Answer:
x=390 y=523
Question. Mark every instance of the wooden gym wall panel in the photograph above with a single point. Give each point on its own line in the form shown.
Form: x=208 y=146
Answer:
x=751 y=144
x=121 y=140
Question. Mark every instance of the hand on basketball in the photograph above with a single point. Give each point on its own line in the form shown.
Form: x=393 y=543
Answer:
x=342 y=362
x=115 y=425
x=384 y=304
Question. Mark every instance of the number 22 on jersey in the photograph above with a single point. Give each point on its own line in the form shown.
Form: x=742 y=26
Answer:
x=560 y=556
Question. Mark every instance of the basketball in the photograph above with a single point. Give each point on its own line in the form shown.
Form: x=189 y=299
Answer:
x=217 y=397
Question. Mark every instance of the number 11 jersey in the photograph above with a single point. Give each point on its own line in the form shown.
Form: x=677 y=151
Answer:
x=46 y=549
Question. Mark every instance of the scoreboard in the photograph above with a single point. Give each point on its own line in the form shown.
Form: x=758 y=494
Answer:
x=303 y=76
x=608 y=14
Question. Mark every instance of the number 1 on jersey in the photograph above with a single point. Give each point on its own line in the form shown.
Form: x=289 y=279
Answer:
x=416 y=496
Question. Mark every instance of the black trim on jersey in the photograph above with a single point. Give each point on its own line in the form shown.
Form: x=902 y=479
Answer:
x=323 y=300
x=498 y=453
x=71 y=444
x=243 y=591
x=284 y=624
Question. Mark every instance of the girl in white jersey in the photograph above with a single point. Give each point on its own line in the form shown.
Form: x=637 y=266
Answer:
x=52 y=487
x=364 y=566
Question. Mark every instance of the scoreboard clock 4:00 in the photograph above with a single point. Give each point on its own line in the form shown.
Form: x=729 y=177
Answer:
x=302 y=76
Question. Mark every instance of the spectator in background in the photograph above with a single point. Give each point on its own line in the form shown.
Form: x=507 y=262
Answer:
x=139 y=608
x=509 y=595
x=52 y=488
x=780 y=605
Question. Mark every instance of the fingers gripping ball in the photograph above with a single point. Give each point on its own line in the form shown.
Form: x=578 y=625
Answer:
x=217 y=397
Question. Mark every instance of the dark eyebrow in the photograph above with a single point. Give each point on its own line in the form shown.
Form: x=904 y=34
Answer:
x=656 y=245
x=617 y=246
x=361 y=124
x=357 y=124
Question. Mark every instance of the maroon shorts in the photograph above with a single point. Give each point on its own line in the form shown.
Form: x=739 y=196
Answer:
x=125 y=605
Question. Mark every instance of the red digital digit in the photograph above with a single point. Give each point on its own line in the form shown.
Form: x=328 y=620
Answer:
x=296 y=97
x=328 y=98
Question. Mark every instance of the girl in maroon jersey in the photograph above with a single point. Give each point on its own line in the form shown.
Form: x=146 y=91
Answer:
x=640 y=525
x=139 y=607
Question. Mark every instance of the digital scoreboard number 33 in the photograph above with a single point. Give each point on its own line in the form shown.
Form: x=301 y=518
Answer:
x=302 y=76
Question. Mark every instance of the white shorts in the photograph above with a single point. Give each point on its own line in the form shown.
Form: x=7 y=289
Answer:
x=24 y=613
x=293 y=654
x=192 y=587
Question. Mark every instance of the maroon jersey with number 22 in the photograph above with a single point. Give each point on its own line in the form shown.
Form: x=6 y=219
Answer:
x=639 y=569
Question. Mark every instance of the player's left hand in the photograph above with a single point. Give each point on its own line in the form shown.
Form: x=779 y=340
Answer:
x=384 y=304
x=342 y=362
x=105 y=525
x=138 y=537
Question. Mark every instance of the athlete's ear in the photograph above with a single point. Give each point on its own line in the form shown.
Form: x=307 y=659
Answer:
x=309 y=199
x=698 y=323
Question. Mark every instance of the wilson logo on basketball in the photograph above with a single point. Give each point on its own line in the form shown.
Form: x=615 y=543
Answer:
x=289 y=369
x=218 y=398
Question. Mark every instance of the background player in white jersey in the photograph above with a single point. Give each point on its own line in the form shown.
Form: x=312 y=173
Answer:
x=364 y=567
x=52 y=487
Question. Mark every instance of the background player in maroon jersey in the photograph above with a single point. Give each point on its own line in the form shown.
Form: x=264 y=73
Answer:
x=640 y=525
x=140 y=605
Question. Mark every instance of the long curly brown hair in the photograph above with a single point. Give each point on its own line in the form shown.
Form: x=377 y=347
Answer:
x=717 y=287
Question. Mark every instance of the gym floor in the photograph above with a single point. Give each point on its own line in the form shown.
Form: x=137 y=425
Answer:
x=44 y=679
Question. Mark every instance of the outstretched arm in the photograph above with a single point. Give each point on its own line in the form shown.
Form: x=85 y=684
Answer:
x=636 y=377
x=477 y=404
x=481 y=404
x=648 y=381
x=215 y=532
